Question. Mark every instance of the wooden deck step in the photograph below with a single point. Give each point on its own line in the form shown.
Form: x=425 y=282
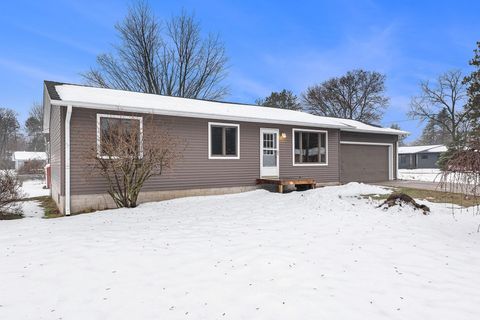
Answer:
x=286 y=181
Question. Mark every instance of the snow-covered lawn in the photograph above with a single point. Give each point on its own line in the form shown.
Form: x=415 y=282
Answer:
x=319 y=254
x=433 y=175
x=34 y=188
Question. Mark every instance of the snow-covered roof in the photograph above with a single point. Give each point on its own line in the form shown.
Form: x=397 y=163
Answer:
x=422 y=149
x=127 y=101
x=28 y=155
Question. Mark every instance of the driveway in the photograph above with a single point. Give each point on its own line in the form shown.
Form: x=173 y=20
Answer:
x=423 y=185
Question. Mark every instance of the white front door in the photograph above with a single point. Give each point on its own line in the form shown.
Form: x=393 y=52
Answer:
x=269 y=161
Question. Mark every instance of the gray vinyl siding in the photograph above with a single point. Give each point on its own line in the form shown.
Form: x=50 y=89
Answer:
x=373 y=138
x=57 y=134
x=195 y=170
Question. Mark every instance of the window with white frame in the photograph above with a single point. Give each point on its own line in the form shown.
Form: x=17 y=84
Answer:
x=309 y=147
x=223 y=140
x=115 y=130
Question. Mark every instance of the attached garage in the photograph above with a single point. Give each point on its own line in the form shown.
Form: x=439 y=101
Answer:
x=365 y=162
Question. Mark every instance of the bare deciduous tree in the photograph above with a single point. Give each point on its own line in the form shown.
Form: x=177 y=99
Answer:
x=357 y=95
x=170 y=58
x=10 y=194
x=8 y=130
x=461 y=172
x=34 y=128
x=442 y=103
x=129 y=154
x=284 y=99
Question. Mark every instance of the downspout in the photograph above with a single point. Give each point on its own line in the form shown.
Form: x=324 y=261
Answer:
x=396 y=160
x=67 y=159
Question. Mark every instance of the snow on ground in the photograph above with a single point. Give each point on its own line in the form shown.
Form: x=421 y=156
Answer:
x=32 y=209
x=34 y=188
x=433 y=175
x=319 y=254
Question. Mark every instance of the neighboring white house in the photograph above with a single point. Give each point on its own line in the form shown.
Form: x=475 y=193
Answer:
x=20 y=157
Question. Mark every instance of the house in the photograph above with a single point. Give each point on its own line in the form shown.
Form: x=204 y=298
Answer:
x=230 y=145
x=20 y=157
x=420 y=157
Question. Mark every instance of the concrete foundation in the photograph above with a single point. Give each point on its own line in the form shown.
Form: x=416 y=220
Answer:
x=92 y=202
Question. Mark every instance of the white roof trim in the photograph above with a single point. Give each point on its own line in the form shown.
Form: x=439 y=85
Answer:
x=422 y=149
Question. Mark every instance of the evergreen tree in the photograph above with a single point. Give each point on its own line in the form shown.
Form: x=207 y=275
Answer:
x=401 y=138
x=473 y=91
x=429 y=133
x=284 y=99
x=443 y=136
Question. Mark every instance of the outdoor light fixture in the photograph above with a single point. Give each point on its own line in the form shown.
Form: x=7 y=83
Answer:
x=283 y=135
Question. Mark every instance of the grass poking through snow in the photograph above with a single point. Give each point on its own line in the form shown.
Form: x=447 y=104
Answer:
x=433 y=196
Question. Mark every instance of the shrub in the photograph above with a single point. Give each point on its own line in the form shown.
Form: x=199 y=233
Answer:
x=10 y=193
x=31 y=167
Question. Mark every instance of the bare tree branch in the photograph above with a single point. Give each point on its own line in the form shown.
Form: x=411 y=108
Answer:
x=169 y=58
x=129 y=156
x=447 y=95
x=357 y=95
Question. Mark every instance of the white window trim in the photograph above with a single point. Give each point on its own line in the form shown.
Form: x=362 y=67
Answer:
x=116 y=116
x=223 y=124
x=309 y=164
x=390 y=153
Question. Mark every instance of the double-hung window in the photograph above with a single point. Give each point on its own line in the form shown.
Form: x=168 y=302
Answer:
x=223 y=141
x=310 y=147
x=119 y=134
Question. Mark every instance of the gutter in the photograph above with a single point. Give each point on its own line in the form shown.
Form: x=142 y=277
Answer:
x=67 y=159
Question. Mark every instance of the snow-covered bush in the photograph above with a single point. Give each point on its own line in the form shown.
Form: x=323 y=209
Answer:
x=10 y=193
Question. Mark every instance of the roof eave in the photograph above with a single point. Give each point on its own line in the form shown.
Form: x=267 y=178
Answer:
x=189 y=114
x=400 y=133
x=46 y=109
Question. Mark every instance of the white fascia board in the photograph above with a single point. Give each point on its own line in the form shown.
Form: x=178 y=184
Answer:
x=47 y=106
x=400 y=133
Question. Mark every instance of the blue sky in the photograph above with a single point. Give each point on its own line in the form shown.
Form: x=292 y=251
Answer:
x=271 y=44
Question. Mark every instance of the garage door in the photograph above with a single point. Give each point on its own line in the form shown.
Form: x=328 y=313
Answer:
x=364 y=163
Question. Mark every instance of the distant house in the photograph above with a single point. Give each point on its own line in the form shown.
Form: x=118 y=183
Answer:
x=20 y=157
x=420 y=157
x=230 y=145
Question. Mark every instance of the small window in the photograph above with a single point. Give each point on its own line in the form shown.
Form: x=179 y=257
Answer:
x=424 y=156
x=309 y=147
x=115 y=129
x=224 y=141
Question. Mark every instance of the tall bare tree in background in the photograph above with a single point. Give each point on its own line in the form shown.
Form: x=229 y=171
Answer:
x=163 y=57
x=357 y=95
x=34 y=128
x=284 y=99
x=442 y=103
x=8 y=131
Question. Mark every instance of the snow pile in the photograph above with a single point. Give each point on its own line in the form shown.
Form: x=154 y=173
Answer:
x=321 y=254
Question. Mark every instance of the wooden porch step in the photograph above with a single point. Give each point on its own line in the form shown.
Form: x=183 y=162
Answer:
x=285 y=181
